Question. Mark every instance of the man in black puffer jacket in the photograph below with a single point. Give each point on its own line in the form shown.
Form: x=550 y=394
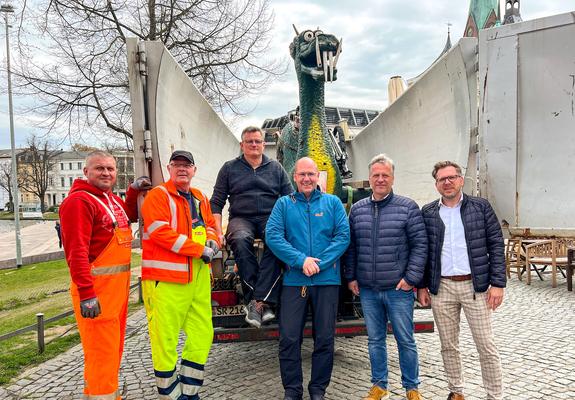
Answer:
x=385 y=260
x=465 y=269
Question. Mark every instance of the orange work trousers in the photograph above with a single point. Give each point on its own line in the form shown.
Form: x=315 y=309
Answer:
x=103 y=337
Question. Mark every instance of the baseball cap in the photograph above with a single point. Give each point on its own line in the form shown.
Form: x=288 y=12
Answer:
x=184 y=154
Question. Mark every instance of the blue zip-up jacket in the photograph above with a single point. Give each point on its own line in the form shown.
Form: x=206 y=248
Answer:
x=298 y=228
x=484 y=240
x=388 y=243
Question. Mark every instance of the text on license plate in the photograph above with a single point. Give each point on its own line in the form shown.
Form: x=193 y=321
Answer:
x=228 y=311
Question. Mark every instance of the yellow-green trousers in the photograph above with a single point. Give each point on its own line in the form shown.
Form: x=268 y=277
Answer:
x=171 y=307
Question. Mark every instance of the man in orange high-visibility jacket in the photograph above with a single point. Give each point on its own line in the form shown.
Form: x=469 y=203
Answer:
x=97 y=239
x=179 y=242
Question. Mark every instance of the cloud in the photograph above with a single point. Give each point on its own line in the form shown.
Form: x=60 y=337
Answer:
x=381 y=38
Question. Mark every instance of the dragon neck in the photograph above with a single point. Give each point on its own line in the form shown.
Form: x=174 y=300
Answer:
x=313 y=139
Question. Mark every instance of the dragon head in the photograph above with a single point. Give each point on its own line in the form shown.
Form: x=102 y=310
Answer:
x=315 y=54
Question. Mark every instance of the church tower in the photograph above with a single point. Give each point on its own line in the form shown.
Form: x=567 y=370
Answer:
x=482 y=14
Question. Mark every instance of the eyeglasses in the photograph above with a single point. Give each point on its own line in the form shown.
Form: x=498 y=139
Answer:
x=253 y=141
x=306 y=174
x=450 y=178
x=185 y=165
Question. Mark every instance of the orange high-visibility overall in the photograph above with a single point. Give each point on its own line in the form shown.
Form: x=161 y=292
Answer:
x=103 y=336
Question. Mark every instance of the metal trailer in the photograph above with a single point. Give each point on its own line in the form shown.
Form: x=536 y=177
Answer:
x=527 y=124
x=169 y=113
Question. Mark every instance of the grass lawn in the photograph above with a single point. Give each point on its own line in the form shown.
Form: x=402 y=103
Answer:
x=32 y=289
x=46 y=215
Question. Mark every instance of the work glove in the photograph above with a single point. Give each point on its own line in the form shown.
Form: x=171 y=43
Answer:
x=143 y=183
x=212 y=244
x=90 y=308
x=207 y=255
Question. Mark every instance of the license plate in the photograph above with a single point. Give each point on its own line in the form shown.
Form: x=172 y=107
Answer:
x=228 y=311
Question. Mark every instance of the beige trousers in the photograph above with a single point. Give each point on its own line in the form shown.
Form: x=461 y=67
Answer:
x=446 y=305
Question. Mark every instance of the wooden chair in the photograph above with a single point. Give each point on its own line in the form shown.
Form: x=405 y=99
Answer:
x=551 y=252
x=514 y=258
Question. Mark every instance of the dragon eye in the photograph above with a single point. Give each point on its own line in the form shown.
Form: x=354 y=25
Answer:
x=308 y=36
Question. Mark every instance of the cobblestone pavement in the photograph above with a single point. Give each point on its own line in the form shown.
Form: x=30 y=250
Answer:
x=534 y=332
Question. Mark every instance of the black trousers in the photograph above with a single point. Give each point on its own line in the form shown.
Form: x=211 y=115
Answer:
x=293 y=313
x=260 y=281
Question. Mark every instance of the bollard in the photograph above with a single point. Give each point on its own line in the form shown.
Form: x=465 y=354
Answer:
x=140 y=295
x=40 y=328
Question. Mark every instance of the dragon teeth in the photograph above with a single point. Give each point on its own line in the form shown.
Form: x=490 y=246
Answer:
x=331 y=65
x=317 y=53
x=325 y=66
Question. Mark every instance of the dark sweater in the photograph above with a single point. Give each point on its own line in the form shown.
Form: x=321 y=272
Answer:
x=251 y=192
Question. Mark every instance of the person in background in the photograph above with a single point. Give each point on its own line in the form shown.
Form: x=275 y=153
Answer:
x=57 y=227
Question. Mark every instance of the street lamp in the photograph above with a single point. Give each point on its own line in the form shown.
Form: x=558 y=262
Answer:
x=7 y=9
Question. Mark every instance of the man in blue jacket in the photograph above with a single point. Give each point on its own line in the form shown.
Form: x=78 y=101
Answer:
x=385 y=260
x=308 y=231
x=465 y=269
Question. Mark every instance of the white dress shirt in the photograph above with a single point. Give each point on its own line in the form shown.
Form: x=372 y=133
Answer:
x=454 y=257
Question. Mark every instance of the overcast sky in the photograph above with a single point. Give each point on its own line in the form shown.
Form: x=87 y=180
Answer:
x=381 y=38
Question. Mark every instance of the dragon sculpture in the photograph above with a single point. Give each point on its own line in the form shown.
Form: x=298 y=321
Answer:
x=315 y=57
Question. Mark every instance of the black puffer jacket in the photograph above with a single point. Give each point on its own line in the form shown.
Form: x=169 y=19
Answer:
x=485 y=245
x=252 y=192
x=388 y=243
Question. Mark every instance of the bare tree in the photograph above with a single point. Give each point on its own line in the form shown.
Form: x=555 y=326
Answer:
x=36 y=162
x=6 y=182
x=78 y=72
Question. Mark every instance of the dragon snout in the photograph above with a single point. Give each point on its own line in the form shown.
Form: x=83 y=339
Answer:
x=327 y=51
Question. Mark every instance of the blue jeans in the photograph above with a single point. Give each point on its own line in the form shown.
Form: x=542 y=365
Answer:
x=397 y=307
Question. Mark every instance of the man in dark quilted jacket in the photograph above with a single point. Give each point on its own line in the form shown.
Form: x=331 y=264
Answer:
x=465 y=269
x=385 y=260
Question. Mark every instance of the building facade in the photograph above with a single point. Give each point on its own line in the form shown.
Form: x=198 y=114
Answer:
x=70 y=165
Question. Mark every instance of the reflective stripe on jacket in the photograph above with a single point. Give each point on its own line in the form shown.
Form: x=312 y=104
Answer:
x=168 y=241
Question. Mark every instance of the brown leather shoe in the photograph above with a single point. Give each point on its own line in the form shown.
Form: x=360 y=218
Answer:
x=455 y=396
x=377 y=393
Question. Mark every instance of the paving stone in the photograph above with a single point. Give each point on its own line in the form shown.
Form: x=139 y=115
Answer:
x=530 y=330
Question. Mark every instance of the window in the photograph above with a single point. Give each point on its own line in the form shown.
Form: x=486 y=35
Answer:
x=121 y=164
x=63 y=195
x=71 y=180
x=63 y=181
x=51 y=181
x=130 y=164
x=121 y=181
x=61 y=166
x=70 y=166
x=79 y=165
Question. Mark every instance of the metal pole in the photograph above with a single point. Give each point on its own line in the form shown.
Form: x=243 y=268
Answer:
x=6 y=9
x=140 y=293
x=40 y=329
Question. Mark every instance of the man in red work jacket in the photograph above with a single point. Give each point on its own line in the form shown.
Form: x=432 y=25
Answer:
x=97 y=238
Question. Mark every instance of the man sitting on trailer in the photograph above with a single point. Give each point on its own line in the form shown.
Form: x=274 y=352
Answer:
x=252 y=182
x=308 y=231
